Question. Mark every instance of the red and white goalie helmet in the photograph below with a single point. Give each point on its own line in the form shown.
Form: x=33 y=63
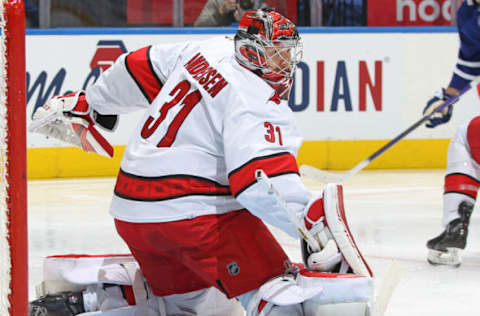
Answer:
x=268 y=44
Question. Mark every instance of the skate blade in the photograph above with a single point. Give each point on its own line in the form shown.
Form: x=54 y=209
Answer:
x=450 y=258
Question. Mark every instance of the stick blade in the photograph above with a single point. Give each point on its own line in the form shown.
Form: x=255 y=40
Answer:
x=390 y=281
x=319 y=175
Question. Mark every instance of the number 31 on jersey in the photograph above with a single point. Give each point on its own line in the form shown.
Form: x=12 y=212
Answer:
x=180 y=98
x=273 y=134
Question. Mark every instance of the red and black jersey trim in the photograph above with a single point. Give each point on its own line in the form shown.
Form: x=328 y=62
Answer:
x=273 y=165
x=462 y=184
x=139 y=66
x=138 y=188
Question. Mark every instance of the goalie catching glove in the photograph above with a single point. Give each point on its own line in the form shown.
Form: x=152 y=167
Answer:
x=325 y=219
x=71 y=119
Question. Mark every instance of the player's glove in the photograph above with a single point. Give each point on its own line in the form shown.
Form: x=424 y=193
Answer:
x=442 y=116
x=473 y=2
x=71 y=119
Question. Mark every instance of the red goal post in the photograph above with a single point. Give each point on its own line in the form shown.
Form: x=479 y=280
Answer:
x=13 y=176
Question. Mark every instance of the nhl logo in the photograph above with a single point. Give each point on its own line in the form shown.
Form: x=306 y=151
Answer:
x=233 y=268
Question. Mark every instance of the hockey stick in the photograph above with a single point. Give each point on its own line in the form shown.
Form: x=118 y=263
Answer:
x=264 y=180
x=390 y=281
x=326 y=177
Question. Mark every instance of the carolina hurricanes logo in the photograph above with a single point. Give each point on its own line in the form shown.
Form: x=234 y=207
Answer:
x=251 y=54
x=275 y=98
x=106 y=54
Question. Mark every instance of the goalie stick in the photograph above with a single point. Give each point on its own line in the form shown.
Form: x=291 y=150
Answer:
x=390 y=281
x=327 y=177
x=263 y=179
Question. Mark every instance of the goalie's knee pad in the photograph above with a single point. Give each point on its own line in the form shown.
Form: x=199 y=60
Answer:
x=325 y=294
x=326 y=219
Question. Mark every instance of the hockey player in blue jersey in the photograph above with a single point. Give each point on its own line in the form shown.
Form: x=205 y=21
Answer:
x=462 y=179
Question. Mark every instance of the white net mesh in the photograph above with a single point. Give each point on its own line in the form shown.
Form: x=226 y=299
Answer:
x=4 y=244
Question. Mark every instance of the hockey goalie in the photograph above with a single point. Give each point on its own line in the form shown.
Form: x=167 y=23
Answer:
x=187 y=201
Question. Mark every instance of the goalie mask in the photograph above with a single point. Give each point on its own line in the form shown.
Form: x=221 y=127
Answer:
x=268 y=44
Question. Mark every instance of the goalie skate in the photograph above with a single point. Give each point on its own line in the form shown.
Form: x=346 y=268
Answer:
x=446 y=248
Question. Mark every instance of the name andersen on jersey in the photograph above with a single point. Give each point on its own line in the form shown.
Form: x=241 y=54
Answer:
x=208 y=77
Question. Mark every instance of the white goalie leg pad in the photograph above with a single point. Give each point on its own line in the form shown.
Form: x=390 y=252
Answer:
x=336 y=221
x=311 y=308
x=88 y=274
x=337 y=287
x=204 y=302
x=344 y=294
x=72 y=272
x=322 y=294
x=280 y=291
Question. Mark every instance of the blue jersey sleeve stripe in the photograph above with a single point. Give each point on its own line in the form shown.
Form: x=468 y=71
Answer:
x=471 y=64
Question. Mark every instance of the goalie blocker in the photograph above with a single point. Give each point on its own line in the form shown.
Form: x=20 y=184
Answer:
x=71 y=119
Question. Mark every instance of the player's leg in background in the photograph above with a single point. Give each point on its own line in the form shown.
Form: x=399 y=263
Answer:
x=460 y=192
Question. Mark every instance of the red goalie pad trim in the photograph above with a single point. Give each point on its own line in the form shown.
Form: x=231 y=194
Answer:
x=461 y=183
x=140 y=67
x=329 y=275
x=128 y=294
x=89 y=256
x=341 y=212
x=273 y=165
x=139 y=188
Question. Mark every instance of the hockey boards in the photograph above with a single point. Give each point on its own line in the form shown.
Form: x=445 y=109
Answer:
x=327 y=177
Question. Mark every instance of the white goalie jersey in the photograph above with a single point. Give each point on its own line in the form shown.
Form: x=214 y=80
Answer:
x=209 y=124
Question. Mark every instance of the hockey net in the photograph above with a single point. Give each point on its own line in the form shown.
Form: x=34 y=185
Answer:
x=13 y=193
